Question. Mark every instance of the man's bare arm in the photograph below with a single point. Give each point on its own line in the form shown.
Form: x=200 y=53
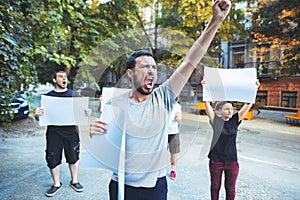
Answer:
x=178 y=79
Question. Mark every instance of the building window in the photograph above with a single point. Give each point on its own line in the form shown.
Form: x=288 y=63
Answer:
x=288 y=99
x=110 y=77
x=238 y=57
x=261 y=97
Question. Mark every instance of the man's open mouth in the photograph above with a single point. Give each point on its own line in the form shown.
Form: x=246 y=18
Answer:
x=149 y=83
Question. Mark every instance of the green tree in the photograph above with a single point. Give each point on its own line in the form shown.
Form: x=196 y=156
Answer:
x=118 y=39
x=64 y=33
x=40 y=36
x=16 y=54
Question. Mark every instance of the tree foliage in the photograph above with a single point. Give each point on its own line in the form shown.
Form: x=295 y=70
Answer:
x=276 y=28
x=116 y=40
x=64 y=34
x=188 y=18
x=40 y=36
x=16 y=54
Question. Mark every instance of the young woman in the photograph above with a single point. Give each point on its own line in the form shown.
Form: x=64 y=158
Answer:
x=223 y=152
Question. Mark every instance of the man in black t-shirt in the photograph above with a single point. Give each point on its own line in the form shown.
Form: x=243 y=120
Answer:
x=59 y=138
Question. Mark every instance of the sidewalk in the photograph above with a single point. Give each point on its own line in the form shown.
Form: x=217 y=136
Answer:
x=272 y=120
x=265 y=119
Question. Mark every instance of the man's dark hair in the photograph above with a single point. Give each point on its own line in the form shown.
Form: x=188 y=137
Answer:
x=57 y=71
x=130 y=62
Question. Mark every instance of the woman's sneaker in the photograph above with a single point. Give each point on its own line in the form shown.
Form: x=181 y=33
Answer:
x=53 y=190
x=172 y=175
x=76 y=186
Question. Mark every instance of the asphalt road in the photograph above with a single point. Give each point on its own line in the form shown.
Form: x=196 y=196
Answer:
x=268 y=150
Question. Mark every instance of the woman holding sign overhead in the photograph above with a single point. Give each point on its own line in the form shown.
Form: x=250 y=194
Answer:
x=223 y=152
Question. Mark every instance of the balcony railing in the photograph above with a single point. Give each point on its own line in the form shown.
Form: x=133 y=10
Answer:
x=264 y=69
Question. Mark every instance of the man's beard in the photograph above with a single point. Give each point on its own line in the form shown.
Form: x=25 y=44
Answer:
x=140 y=90
x=60 y=86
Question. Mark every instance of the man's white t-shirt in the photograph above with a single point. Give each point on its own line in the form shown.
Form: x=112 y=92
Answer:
x=146 y=127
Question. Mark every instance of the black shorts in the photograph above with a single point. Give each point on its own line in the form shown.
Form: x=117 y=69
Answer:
x=59 y=138
x=174 y=143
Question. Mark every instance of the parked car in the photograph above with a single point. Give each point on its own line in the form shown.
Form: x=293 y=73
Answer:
x=18 y=105
x=87 y=92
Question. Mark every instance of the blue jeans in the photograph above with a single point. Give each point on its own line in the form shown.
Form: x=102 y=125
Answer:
x=231 y=171
x=158 y=192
